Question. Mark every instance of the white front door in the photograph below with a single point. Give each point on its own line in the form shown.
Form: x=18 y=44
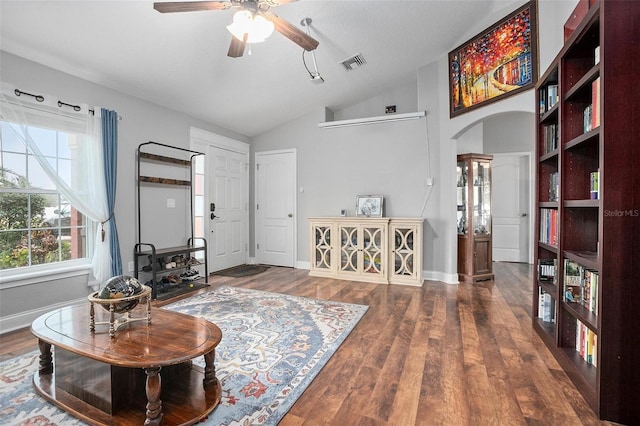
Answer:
x=221 y=204
x=276 y=207
x=226 y=211
x=510 y=202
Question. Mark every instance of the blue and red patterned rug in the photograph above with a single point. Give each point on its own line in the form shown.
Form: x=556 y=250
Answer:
x=273 y=345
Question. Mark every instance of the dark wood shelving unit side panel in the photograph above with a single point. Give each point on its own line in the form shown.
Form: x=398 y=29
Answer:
x=620 y=243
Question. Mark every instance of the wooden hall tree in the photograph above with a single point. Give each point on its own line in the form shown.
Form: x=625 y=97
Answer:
x=586 y=289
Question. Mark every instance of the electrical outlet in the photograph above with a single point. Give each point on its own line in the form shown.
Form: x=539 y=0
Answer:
x=131 y=266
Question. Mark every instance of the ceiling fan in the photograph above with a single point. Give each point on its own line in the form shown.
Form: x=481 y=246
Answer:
x=253 y=9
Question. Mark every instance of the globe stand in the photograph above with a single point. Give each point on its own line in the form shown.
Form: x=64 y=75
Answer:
x=116 y=322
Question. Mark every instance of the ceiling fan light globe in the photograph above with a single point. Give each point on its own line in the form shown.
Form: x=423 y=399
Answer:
x=256 y=27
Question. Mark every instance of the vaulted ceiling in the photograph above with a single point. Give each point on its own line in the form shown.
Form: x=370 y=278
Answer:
x=180 y=61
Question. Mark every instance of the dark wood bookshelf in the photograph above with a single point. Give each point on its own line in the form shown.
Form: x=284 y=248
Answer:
x=600 y=235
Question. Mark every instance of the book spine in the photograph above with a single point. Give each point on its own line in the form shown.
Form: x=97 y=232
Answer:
x=595 y=103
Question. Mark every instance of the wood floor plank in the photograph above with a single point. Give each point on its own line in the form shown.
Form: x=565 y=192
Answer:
x=438 y=354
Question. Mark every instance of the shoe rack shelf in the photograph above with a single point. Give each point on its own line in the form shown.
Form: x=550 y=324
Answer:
x=157 y=256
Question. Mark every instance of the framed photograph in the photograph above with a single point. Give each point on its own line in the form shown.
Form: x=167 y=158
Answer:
x=369 y=205
x=499 y=62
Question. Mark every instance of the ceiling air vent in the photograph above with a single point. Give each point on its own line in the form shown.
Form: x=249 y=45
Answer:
x=356 y=61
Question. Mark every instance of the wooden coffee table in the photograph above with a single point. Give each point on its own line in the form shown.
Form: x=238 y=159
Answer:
x=104 y=380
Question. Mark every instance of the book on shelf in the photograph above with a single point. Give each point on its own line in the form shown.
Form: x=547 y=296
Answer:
x=550 y=138
x=590 y=293
x=548 y=97
x=546 y=306
x=580 y=286
x=595 y=103
x=587 y=117
x=552 y=95
x=549 y=226
x=586 y=343
x=554 y=186
x=548 y=270
x=594 y=185
x=596 y=55
x=542 y=95
x=572 y=281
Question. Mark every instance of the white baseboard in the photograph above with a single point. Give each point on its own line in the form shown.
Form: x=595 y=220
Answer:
x=24 y=319
x=440 y=276
x=303 y=265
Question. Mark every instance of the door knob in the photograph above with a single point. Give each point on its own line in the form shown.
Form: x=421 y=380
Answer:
x=523 y=214
x=213 y=216
x=290 y=215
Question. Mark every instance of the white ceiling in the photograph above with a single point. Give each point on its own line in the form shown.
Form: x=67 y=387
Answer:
x=179 y=60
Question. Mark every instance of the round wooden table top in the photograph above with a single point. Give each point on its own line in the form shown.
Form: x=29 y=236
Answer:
x=171 y=338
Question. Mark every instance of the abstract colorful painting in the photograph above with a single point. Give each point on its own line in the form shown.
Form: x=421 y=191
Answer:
x=499 y=62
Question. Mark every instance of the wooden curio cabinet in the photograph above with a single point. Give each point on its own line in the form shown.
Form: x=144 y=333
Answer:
x=474 y=217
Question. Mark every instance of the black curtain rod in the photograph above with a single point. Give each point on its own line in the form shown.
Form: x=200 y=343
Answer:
x=61 y=104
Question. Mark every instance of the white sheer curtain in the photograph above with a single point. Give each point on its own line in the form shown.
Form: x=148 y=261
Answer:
x=85 y=189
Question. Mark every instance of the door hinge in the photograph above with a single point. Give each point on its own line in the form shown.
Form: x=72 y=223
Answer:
x=258 y=246
x=257 y=206
x=246 y=247
x=257 y=166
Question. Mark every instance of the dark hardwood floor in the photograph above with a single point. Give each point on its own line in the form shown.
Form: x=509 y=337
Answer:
x=433 y=355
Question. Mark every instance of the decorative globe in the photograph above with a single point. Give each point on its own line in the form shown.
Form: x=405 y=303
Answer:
x=118 y=287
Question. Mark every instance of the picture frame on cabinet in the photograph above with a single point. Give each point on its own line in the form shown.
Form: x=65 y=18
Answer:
x=369 y=205
x=500 y=61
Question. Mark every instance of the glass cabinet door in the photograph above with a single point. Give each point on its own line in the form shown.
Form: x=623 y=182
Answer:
x=481 y=197
x=322 y=247
x=372 y=241
x=349 y=248
x=462 y=219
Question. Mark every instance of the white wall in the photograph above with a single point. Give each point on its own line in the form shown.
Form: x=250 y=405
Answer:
x=332 y=164
x=472 y=140
x=141 y=121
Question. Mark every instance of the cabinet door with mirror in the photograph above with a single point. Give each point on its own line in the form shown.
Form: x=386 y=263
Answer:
x=474 y=217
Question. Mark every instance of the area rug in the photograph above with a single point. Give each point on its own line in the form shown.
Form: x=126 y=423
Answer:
x=273 y=346
x=242 y=271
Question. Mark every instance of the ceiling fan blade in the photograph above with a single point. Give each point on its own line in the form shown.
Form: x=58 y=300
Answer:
x=191 y=6
x=236 y=48
x=292 y=32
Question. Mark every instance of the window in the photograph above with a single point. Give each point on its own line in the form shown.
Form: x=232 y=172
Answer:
x=37 y=224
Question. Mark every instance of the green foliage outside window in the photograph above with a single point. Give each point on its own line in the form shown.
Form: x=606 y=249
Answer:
x=21 y=216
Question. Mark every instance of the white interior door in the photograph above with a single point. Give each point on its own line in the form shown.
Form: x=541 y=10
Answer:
x=227 y=208
x=276 y=207
x=510 y=199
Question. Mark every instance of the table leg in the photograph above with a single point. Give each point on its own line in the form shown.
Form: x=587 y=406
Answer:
x=46 y=360
x=154 y=404
x=209 y=369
